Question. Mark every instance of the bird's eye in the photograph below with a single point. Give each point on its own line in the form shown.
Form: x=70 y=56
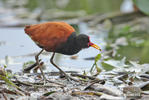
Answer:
x=88 y=39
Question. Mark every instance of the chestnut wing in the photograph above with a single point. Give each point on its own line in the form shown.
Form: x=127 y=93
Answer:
x=49 y=35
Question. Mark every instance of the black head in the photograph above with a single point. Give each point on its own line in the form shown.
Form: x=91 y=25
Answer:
x=82 y=41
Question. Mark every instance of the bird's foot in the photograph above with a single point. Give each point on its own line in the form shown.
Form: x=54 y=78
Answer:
x=70 y=79
x=45 y=81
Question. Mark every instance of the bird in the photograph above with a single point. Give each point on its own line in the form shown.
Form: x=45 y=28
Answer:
x=57 y=37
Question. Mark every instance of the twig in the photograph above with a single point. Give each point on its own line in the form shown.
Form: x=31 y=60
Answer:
x=116 y=17
x=89 y=86
x=4 y=96
x=12 y=84
x=38 y=84
x=8 y=91
x=48 y=86
x=104 y=89
x=75 y=93
x=55 y=73
x=57 y=83
x=84 y=76
x=14 y=92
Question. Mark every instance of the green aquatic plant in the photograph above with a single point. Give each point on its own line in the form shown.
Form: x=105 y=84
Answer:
x=95 y=65
x=142 y=5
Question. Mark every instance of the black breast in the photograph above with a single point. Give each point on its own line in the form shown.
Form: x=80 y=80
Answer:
x=69 y=47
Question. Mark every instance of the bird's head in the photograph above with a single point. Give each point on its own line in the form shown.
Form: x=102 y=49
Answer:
x=84 y=42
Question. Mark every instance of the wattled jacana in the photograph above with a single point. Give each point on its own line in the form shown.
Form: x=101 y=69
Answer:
x=58 y=37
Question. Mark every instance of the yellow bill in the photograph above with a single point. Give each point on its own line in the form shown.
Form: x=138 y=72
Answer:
x=94 y=46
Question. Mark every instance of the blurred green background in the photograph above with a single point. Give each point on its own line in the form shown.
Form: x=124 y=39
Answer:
x=89 y=6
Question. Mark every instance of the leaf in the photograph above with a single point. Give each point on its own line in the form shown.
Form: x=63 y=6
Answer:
x=97 y=57
x=106 y=89
x=116 y=63
x=98 y=69
x=106 y=66
x=143 y=5
x=76 y=93
x=2 y=71
x=91 y=70
x=106 y=97
x=8 y=81
x=49 y=93
x=5 y=66
x=27 y=64
x=95 y=63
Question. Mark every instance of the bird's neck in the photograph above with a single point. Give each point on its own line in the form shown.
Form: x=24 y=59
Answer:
x=70 y=47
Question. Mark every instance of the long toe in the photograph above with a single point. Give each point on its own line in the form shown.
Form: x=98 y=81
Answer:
x=70 y=79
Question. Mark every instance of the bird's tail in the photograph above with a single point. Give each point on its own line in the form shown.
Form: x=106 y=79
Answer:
x=27 y=27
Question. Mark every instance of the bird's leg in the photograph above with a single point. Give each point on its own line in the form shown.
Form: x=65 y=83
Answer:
x=37 y=61
x=51 y=60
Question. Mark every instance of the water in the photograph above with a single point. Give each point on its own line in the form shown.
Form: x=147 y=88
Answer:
x=16 y=48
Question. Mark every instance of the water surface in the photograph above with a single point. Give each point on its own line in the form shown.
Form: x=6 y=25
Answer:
x=16 y=48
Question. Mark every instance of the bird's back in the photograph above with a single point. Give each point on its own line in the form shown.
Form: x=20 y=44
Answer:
x=49 y=35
